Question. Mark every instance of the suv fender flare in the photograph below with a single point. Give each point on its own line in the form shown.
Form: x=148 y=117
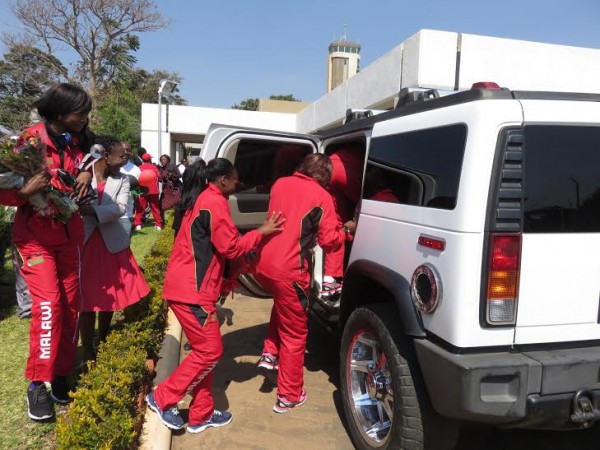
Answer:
x=363 y=275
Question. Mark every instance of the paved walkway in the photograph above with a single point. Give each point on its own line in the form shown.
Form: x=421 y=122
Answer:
x=243 y=389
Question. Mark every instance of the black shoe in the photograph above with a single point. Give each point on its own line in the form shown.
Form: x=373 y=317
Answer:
x=38 y=402
x=60 y=391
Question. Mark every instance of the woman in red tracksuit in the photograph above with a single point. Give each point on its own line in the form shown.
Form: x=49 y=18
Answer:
x=206 y=239
x=282 y=268
x=151 y=198
x=345 y=187
x=49 y=250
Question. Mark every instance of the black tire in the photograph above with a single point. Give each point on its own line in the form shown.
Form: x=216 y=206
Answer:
x=394 y=410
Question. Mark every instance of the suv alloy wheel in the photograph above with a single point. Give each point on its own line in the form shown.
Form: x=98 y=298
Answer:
x=384 y=399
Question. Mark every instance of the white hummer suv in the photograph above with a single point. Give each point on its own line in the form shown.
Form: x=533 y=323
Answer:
x=472 y=290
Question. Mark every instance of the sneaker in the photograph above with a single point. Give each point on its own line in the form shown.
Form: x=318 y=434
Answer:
x=218 y=419
x=60 y=391
x=269 y=362
x=170 y=417
x=138 y=227
x=39 y=406
x=158 y=228
x=283 y=405
x=331 y=289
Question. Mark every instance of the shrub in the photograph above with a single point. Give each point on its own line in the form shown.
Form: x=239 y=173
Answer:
x=6 y=217
x=107 y=409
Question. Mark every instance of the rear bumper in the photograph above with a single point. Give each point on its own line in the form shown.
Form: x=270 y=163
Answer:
x=525 y=390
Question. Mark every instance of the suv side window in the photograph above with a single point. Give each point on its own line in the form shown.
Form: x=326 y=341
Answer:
x=562 y=179
x=417 y=168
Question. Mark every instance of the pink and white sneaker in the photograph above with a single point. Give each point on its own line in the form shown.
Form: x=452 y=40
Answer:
x=268 y=361
x=283 y=405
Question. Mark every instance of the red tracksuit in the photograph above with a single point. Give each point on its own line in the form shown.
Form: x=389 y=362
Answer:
x=206 y=239
x=345 y=186
x=283 y=268
x=49 y=251
x=151 y=198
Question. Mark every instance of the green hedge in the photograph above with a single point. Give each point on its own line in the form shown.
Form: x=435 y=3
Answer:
x=108 y=407
x=6 y=214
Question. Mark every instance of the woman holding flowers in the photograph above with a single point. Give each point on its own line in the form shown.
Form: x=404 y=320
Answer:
x=49 y=244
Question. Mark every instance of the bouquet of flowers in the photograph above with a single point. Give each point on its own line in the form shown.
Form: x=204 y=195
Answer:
x=22 y=158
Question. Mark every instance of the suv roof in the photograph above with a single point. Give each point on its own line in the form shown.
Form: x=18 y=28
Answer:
x=454 y=99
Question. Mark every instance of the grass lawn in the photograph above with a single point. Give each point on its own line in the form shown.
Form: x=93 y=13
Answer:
x=17 y=430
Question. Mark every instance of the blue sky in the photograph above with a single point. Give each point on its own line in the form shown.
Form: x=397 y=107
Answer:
x=230 y=50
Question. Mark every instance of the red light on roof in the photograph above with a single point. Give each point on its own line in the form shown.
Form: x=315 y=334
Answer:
x=436 y=244
x=486 y=85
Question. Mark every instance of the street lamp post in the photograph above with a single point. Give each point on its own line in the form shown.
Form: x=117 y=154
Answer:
x=166 y=86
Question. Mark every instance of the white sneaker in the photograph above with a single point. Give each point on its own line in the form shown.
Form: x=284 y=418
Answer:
x=158 y=228
x=138 y=227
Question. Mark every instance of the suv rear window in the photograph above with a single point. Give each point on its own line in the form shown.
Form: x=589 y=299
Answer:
x=417 y=168
x=562 y=179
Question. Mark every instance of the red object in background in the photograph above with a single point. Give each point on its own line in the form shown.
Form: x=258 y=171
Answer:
x=148 y=178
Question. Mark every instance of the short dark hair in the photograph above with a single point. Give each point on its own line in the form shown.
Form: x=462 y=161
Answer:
x=165 y=156
x=317 y=166
x=62 y=99
x=108 y=142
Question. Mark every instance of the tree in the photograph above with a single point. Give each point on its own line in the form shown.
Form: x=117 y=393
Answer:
x=119 y=112
x=251 y=104
x=25 y=72
x=100 y=32
x=287 y=98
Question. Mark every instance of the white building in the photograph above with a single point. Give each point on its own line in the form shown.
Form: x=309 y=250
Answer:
x=428 y=59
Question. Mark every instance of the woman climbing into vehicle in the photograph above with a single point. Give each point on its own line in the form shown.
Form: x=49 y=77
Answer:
x=207 y=238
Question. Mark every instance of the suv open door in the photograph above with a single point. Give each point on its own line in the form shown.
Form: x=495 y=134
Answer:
x=260 y=157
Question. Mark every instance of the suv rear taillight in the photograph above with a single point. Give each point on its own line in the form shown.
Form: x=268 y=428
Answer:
x=503 y=278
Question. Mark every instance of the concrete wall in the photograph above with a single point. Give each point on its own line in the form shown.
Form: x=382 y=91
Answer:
x=524 y=65
x=280 y=106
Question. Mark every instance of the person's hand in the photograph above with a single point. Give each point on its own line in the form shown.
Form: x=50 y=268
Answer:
x=83 y=183
x=350 y=226
x=34 y=185
x=272 y=225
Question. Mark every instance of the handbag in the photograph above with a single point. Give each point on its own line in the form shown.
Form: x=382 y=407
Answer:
x=171 y=196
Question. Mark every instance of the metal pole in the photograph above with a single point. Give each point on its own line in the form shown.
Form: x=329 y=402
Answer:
x=159 y=121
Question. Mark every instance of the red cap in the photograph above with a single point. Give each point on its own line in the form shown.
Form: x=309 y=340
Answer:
x=146 y=157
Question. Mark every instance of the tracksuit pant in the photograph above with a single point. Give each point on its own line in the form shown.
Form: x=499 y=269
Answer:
x=195 y=374
x=288 y=330
x=153 y=201
x=52 y=275
x=21 y=289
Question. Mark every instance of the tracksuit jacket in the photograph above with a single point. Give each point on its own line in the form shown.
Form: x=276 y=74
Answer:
x=309 y=218
x=283 y=268
x=49 y=253
x=206 y=240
